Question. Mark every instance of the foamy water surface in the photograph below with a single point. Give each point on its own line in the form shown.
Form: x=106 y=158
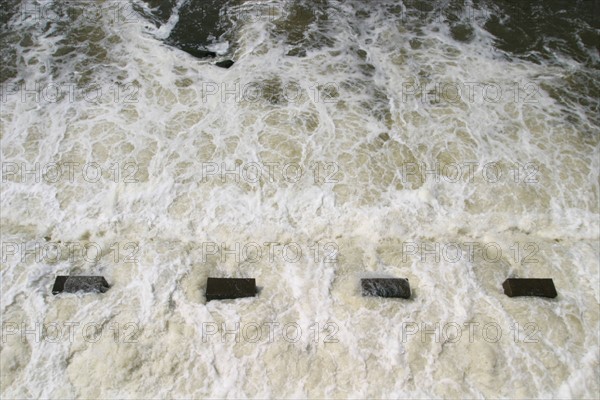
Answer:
x=367 y=98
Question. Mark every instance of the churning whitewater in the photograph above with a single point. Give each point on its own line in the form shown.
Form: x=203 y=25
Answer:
x=453 y=143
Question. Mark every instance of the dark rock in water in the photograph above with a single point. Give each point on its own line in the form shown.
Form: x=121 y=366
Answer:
x=224 y=64
x=72 y=284
x=529 y=287
x=229 y=288
x=462 y=32
x=386 y=287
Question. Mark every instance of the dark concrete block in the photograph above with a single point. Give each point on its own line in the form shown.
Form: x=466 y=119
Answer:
x=229 y=288
x=386 y=287
x=529 y=287
x=72 y=284
x=224 y=64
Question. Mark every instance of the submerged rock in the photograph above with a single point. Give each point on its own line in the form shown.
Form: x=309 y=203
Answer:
x=224 y=64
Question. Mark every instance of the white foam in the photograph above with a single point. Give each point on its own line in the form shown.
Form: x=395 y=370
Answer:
x=368 y=214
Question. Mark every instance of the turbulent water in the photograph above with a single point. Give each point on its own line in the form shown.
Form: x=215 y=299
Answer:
x=452 y=143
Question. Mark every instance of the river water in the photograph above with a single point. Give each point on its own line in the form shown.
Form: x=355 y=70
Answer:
x=453 y=143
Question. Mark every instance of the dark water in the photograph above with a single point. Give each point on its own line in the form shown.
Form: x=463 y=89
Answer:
x=8 y=37
x=539 y=31
x=200 y=23
x=532 y=29
x=536 y=30
x=542 y=31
